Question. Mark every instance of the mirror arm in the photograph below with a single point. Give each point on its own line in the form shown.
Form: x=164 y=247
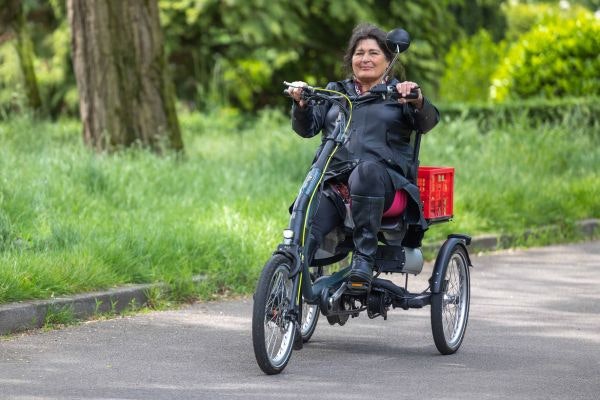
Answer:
x=389 y=68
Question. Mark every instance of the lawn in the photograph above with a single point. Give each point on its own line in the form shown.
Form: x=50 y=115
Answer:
x=73 y=221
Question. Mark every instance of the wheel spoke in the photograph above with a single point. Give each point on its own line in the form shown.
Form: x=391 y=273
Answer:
x=276 y=328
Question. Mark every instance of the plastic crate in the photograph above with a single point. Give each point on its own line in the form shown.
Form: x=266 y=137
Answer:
x=436 y=185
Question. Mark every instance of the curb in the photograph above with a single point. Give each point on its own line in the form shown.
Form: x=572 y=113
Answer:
x=22 y=316
x=588 y=229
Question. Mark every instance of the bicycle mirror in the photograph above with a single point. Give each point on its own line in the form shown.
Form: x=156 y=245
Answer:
x=397 y=40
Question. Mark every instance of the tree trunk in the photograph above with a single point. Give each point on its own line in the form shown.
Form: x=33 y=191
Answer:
x=118 y=57
x=12 y=18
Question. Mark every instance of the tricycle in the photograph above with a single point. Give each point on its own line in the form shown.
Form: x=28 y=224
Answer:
x=293 y=289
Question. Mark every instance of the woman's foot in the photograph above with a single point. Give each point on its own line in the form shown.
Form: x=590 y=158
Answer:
x=361 y=273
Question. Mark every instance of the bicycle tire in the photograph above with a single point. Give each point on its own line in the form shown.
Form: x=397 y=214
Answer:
x=272 y=333
x=450 y=307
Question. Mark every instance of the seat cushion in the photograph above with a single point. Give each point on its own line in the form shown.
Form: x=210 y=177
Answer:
x=398 y=205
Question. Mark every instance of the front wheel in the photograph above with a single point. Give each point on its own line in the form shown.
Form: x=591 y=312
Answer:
x=273 y=330
x=450 y=307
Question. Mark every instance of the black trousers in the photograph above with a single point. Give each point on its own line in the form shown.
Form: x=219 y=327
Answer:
x=368 y=179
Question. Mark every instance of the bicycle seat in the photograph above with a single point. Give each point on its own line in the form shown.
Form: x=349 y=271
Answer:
x=398 y=205
x=392 y=225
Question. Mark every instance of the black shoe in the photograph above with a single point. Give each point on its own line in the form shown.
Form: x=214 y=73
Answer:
x=361 y=274
x=361 y=271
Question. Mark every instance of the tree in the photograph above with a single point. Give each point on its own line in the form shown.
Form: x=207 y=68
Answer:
x=12 y=21
x=125 y=96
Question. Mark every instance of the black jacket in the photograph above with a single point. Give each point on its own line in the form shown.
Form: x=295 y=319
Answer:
x=380 y=130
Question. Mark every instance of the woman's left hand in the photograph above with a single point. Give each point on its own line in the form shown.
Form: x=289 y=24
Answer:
x=404 y=88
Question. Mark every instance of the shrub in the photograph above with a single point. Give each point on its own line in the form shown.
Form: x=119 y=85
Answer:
x=522 y=17
x=469 y=65
x=553 y=60
x=535 y=112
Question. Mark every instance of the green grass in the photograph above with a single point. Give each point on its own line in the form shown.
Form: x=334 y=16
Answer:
x=59 y=316
x=515 y=177
x=73 y=221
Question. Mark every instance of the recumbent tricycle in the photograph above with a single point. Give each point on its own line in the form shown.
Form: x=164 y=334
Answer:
x=290 y=294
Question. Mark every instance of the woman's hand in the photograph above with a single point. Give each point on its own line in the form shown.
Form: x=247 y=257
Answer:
x=404 y=89
x=295 y=91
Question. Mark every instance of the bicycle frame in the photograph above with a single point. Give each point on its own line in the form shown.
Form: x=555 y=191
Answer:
x=295 y=235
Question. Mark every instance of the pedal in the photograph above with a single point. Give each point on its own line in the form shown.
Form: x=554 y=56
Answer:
x=358 y=287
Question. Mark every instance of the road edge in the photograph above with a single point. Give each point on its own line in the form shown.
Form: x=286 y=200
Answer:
x=28 y=315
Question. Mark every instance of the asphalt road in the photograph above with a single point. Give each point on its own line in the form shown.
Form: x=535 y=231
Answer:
x=534 y=333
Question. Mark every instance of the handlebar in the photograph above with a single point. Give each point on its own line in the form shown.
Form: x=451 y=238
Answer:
x=305 y=89
x=381 y=89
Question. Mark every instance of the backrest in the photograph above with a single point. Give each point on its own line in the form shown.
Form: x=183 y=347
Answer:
x=415 y=143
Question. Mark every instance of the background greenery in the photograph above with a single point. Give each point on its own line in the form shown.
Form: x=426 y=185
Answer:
x=516 y=81
x=237 y=53
x=72 y=220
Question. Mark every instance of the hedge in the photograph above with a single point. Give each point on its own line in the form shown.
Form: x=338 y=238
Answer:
x=567 y=111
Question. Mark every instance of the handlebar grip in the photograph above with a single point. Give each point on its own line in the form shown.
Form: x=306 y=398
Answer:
x=414 y=94
x=308 y=89
x=393 y=93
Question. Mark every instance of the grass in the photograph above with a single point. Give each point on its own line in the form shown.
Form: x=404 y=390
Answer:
x=59 y=316
x=514 y=177
x=73 y=221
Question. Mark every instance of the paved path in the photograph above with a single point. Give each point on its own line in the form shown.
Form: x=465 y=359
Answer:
x=534 y=333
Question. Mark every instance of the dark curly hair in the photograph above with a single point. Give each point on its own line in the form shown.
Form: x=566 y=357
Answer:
x=361 y=32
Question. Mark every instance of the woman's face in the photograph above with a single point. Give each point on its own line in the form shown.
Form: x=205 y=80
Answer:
x=368 y=62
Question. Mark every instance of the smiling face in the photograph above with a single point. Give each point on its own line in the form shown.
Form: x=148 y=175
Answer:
x=368 y=63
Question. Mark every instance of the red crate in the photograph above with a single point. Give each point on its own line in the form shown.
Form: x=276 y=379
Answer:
x=436 y=185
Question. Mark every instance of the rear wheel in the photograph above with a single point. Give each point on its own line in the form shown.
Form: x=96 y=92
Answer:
x=310 y=313
x=450 y=307
x=310 y=316
x=273 y=330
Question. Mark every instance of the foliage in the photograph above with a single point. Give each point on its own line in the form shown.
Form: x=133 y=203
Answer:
x=476 y=15
x=73 y=221
x=472 y=63
x=552 y=60
x=240 y=52
x=50 y=34
x=469 y=65
x=535 y=112
x=522 y=17
x=237 y=53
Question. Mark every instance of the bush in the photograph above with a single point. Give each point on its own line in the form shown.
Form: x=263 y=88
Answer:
x=522 y=17
x=469 y=65
x=573 y=111
x=553 y=60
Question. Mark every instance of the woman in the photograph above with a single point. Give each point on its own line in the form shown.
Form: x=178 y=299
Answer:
x=374 y=163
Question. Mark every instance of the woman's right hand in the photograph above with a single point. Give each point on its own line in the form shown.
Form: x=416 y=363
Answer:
x=295 y=91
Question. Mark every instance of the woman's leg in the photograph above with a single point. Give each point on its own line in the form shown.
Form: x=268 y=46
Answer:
x=324 y=221
x=372 y=191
